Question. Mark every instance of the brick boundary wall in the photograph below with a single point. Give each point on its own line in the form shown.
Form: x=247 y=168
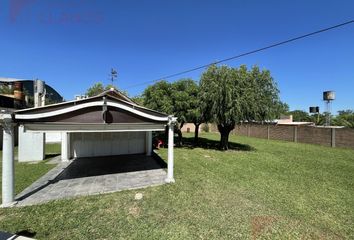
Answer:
x=330 y=137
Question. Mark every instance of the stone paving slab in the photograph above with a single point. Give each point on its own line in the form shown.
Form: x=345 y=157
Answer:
x=10 y=236
x=62 y=182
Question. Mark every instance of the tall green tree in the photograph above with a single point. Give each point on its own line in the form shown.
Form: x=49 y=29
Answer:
x=300 y=116
x=158 y=97
x=344 y=118
x=195 y=113
x=98 y=88
x=179 y=98
x=186 y=103
x=266 y=94
x=138 y=99
x=317 y=118
x=281 y=109
x=233 y=95
x=95 y=89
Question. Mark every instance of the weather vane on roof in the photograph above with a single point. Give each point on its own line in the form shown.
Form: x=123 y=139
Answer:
x=113 y=75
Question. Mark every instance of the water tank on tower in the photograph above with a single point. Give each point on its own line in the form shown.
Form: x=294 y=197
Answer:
x=314 y=109
x=328 y=97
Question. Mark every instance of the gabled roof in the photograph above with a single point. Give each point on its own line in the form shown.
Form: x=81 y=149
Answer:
x=108 y=107
x=117 y=94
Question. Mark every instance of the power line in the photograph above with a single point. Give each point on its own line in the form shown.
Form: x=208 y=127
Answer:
x=245 y=54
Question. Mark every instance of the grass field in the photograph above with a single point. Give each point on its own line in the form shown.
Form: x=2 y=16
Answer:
x=27 y=173
x=263 y=190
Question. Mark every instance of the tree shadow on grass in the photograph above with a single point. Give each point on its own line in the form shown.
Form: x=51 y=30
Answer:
x=188 y=142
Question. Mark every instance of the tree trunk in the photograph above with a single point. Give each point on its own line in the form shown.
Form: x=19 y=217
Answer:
x=165 y=137
x=178 y=128
x=224 y=135
x=196 y=132
x=179 y=133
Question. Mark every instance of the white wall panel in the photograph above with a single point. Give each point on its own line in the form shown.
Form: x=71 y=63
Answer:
x=31 y=145
x=107 y=143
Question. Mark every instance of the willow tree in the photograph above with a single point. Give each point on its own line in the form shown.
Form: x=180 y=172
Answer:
x=263 y=102
x=233 y=95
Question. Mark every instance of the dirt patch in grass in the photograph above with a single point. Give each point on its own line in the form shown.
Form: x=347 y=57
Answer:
x=134 y=211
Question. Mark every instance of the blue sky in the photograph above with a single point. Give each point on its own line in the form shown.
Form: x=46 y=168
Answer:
x=73 y=44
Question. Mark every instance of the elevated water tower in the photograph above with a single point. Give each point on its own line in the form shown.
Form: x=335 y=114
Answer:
x=315 y=111
x=328 y=97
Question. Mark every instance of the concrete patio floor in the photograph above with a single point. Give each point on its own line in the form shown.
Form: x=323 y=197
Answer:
x=94 y=175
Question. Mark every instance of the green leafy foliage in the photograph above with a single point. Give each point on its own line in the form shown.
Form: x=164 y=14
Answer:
x=299 y=116
x=95 y=89
x=344 y=118
x=98 y=88
x=302 y=116
x=280 y=109
x=263 y=96
x=186 y=100
x=180 y=98
x=5 y=89
x=158 y=97
x=138 y=99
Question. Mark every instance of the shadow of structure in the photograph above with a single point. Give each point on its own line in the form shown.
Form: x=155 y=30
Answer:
x=98 y=166
x=51 y=155
x=26 y=233
x=188 y=142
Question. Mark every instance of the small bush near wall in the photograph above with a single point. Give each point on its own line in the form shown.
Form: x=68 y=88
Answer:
x=205 y=127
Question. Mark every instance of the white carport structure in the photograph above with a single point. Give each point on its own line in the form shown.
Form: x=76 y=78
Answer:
x=104 y=125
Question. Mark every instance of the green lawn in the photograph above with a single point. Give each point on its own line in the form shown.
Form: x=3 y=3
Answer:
x=27 y=173
x=264 y=190
x=52 y=148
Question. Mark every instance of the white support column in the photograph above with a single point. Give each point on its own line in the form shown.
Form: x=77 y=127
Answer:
x=171 y=123
x=8 y=180
x=148 y=143
x=65 y=146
